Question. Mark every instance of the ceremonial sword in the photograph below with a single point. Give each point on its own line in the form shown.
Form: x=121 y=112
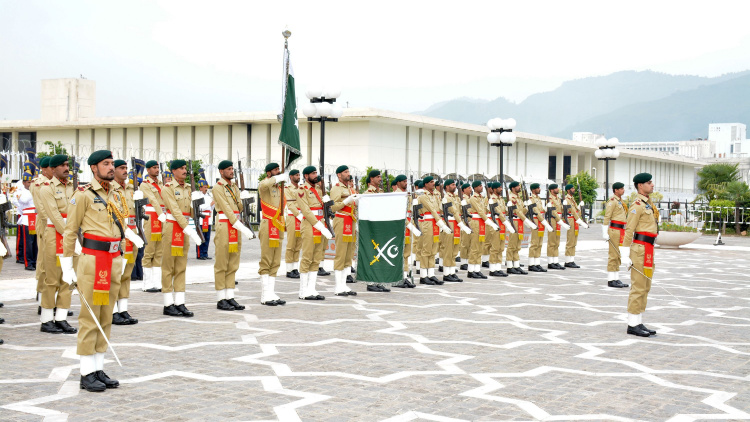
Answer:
x=74 y=285
x=639 y=271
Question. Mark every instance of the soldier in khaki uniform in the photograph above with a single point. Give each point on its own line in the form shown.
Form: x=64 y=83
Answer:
x=430 y=225
x=555 y=210
x=294 y=239
x=100 y=211
x=613 y=232
x=638 y=250
x=411 y=229
x=271 y=231
x=41 y=224
x=465 y=245
x=574 y=220
x=153 y=228
x=539 y=218
x=176 y=245
x=479 y=222
x=310 y=202
x=497 y=237
x=227 y=239
x=120 y=315
x=416 y=220
x=344 y=230
x=451 y=242
x=55 y=195
x=516 y=212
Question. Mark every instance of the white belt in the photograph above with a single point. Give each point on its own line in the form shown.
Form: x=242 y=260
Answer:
x=318 y=213
x=49 y=221
x=427 y=216
x=170 y=217
x=149 y=208
x=223 y=217
x=475 y=216
x=451 y=218
x=29 y=211
x=289 y=214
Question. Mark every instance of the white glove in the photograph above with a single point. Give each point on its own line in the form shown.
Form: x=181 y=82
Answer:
x=134 y=238
x=445 y=199
x=322 y=229
x=549 y=204
x=122 y=268
x=326 y=198
x=193 y=235
x=564 y=225
x=464 y=228
x=351 y=198
x=464 y=203
x=581 y=204
x=245 y=194
x=528 y=223
x=508 y=226
x=625 y=257
x=414 y=230
x=547 y=226
x=605 y=234
x=138 y=195
x=582 y=224
x=3 y=251
x=196 y=195
x=281 y=178
x=243 y=229
x=68 y=274
x=163 y=217
x=565 y=202
x=415 y=201
x=444 y=227
x=79 y=248
x=491 y=224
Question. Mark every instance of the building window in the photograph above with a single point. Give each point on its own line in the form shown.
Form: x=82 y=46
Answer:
x=27 y=140
x=552 y=167
x=5 y=141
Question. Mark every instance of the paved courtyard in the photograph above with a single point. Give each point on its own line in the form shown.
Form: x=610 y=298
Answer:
x=537 y=347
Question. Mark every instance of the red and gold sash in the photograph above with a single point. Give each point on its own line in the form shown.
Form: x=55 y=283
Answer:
x=103 y=268
x=206 y=218
x=407 y=232
x=129 y=256
x=233 y=236
x=502 y=231
x=347 y=215
x=482 y=228
x=275 y=222
x=31 y=217
x=178 y=237
x=647 y=240
x=456 y=233
x=316 y=233
x=519 y=228
x=155 y=225
x=539 y=226
x=58 y=241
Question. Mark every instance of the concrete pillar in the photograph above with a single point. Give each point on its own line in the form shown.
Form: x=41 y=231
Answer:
x=559 y=167
x=574 y=163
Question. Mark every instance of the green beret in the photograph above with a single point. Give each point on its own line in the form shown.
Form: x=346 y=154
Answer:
x=225 y=164
x=449 y=182
x=59 y=159
x=496 y=185
x=438 y=182
x=513 y=184
x=151 y=163
x=400 y=178
x=373 y=173
x=293 y=172
x=618 y=185
x=97 y=157
x=641 y=178
x=119 y=163
x=271 y=166
x=569 y=186
x=44 y=163
x=175 y=164
x=308 y=170
x=465 y=185
x=476 y=183
x=427 y=180
x=419 y=183
x=341 y=169
x=553 y=186
x=534 y=186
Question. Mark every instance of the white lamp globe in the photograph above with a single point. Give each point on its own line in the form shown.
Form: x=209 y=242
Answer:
x=493 y=137
x=336 y=111
x=314 y=92
x=498 y=123
x=324 y=109
x=309 y=110
x=333 y=92
x=510 y=123
x=491 y=124
x=615 y=153
x=613 y=142
x=607 y=153
x=599 y=153
x=507 y=137
x=601 y=141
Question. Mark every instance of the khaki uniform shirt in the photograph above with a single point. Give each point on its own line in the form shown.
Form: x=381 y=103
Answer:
x=306 y=199
x=556 y=209
x=339 y=192
x=454 y=205
x=373 y=189
x=615 y=210
x=177 y=200
x=227 y=199
x=56 y=197
x=430 y=204
x=573 y=207
x=90 y=214
x=500 y=210
x=152 y=194
x=520 y=210
x=35 y=188
x=270 y=193
x=539 y=209
x=290 y=193
x=642 y=217
x=477 y=206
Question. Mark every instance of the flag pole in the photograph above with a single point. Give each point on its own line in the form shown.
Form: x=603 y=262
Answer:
x=286 y=33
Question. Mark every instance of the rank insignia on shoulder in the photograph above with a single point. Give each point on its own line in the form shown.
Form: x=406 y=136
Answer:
x=72 y=201
x=301 y=194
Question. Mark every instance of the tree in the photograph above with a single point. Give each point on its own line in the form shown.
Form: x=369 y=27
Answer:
x=588 y=186
x=54 y=149
x=712 y=177
x=363 y=181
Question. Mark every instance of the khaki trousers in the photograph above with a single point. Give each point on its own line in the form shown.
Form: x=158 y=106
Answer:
x=427 y=247
x=90 y=340
x=639 y=285
x=475 y=246
x=613 y=257
x=172 y=267
x=40 y=272
x=553 y=244
x=124 y=292
x=344 y=249
x=448 y=248
x=572 y=239
x=496 y=246
x=226 y=264
x=293 y=243
x=407 y=251
x=311 y=251
x=537 y=238
x=514 y=243
x=153 y=250
x=465 y=245
x=53 y=284
x=270 y=258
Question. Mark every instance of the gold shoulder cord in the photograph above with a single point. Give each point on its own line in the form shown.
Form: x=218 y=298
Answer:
x=122 y=216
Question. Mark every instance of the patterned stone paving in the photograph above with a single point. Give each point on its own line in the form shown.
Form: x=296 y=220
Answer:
x=537 y=347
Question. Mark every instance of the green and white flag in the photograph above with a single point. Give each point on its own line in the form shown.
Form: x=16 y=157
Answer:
x=382 y=222
x=289 y=136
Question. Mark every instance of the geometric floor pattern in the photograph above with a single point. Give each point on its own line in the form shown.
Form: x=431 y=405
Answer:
x=537 y=347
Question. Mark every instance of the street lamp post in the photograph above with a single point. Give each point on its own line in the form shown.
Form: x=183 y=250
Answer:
x=607 y=152
x=322 y=109
x=501 y=135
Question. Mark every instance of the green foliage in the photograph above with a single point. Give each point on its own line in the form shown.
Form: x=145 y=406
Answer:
x=363 y=181
x=54 y=149
x=197 y=164
x=655 y=197
x=671 y=227
x=588 y=186
x=262 y=176
x=714 y=178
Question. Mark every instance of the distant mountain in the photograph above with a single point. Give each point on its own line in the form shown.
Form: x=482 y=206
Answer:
x=578 y=103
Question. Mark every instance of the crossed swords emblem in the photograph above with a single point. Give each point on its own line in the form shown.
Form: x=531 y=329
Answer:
x=382 y=251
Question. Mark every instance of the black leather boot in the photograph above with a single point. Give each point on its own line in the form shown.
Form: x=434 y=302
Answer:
x=91 y=383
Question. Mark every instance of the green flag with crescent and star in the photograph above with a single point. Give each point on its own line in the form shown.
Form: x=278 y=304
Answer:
x=382 y=222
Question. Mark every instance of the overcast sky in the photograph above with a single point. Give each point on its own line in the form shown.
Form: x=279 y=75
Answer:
x=169 y=57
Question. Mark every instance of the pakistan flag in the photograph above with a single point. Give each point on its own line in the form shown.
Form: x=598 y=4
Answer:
x=380 y=253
